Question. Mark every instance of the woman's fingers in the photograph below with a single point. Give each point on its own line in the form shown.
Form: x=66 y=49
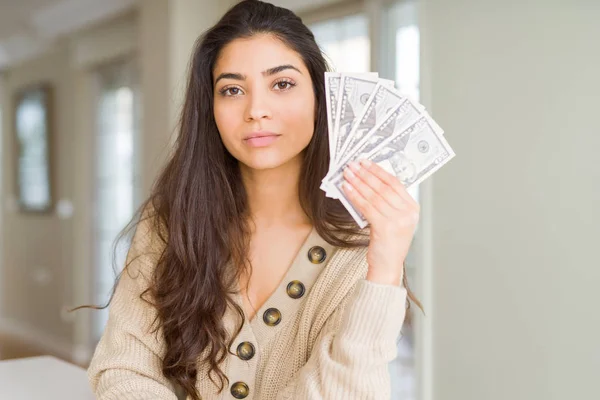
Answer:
x=389 y=179
x=393 y=214
x=378 y=185
x=368 y=201
x=358 y=201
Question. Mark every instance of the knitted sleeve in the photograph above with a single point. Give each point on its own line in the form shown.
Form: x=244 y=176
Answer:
x=352 y=353
x=127 y=361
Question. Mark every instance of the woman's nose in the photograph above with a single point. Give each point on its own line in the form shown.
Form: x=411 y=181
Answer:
x=258 y=106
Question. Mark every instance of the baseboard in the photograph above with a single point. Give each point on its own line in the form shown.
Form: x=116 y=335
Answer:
x=48 y=343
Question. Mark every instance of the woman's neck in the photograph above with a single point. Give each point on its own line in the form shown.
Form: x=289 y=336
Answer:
x=273 y=196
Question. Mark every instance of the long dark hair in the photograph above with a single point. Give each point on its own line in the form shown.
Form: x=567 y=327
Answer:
x=198 y=205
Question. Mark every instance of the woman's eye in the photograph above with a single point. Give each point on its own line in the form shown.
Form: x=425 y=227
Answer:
x=284 y=85
x=232 y=91
x=235 y=91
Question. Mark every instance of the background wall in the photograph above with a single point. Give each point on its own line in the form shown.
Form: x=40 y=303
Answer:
x=515 y=217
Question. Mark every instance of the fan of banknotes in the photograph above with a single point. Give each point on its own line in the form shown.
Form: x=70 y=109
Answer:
x=369 y=119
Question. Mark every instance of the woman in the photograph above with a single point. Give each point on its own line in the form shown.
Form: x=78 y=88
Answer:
x=243 y=280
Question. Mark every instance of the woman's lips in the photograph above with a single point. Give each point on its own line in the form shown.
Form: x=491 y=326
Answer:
x=261 y=141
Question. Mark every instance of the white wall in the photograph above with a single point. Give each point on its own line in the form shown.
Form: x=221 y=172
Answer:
x=45 y=260
x=515 y=216
x=2 y=111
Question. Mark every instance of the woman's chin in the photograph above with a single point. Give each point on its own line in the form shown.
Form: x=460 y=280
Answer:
x=266 y=160
x=265 y=164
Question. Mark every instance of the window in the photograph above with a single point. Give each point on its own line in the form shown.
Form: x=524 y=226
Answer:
x=116 y=181
x=345 y=41
x=402 y=33
x=403 y=20
x=33 y=137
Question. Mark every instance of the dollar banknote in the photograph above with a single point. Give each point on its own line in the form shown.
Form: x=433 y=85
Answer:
x=355 y=91
x=397 y=119
x=411 y=155
x=332 y=85
x=333 y=93
x=383 y=98
x=368 y=118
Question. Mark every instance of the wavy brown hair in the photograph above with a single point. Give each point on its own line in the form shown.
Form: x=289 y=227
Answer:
x=199 y=206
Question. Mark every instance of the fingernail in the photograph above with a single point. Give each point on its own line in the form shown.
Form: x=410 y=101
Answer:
x=347 y=186
x=366 y=163
x=349 y=172
x=354 y=165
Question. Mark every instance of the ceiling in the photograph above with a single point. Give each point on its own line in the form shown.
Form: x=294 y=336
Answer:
x=27 y=27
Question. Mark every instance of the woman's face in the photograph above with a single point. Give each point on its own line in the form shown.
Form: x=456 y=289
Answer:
x=264 y=102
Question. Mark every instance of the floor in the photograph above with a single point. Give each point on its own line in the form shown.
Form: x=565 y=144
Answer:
x=12 y=347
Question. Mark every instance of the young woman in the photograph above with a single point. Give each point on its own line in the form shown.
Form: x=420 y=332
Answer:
x=243 y=280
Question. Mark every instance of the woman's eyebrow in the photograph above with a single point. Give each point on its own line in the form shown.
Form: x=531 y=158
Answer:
x=274 y=70
x=268 y=72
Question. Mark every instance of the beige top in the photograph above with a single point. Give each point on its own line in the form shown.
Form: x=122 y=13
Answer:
x=325 y=333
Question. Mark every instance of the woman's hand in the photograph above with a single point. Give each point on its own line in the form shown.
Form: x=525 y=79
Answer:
x=392 y=213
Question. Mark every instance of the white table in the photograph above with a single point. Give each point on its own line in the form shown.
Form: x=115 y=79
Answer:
x=45 y=378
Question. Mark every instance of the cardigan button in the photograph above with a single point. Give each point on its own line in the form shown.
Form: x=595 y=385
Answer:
x=245 y=351
x=317 y=254
x=240 y=390
x=272 y=317
x=295 y=289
